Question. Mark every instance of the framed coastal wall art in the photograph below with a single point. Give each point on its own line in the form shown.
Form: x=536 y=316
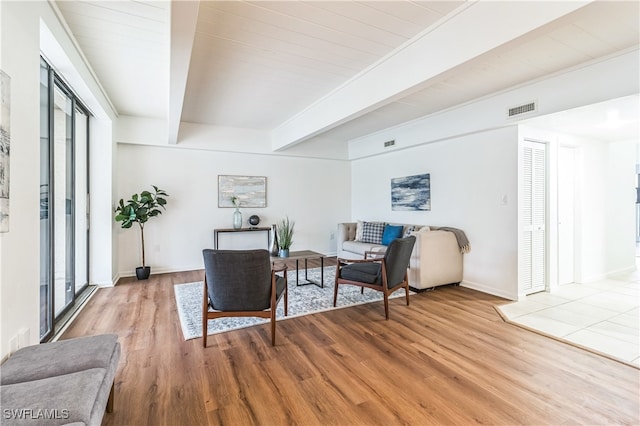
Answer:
x=411 y=193
x=5 y=133
x=249 y=191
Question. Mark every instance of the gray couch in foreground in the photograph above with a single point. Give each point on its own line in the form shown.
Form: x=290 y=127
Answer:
x=436 y=260
x=60 y=383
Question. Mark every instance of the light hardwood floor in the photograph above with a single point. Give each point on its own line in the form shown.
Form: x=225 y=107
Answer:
x=448 y=358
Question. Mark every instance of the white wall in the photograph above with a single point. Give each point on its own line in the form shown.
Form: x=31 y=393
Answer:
x=620 y=202
x=590 y=209
x=605 y=207
x=23 y=36
x=313 y=192
x=470 y=176
x=20 y=246
x=102 y=242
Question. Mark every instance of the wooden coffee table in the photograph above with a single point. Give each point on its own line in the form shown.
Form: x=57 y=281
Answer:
x=304 y=255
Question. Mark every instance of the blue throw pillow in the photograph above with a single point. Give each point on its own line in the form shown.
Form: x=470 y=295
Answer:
x=391 y=232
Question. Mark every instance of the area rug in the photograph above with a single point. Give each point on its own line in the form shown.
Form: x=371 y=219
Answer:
x=303 y=300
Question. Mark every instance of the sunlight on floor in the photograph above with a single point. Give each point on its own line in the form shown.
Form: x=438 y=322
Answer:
x=603 y=315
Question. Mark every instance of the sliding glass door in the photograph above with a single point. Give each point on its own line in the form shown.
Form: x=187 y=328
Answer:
x=62 y=197
x=64 y=125
x=81 y=188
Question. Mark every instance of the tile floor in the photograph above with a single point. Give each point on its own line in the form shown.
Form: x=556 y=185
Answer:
x=604 y=315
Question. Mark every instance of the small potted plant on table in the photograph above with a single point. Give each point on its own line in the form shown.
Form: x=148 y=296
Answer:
x=285 y=236
x=139 y=209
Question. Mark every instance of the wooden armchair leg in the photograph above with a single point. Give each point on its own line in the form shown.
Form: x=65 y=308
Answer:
x=205 y=310
x=286 y=296
x=335 y=293
x=406 y=291
x=204 y=334
x=386 y=306
x=273 y=327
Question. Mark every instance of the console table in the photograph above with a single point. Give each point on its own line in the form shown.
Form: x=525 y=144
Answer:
x=256 y=229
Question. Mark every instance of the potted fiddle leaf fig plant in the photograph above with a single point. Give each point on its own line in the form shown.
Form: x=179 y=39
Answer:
x=139 y=209
x=285 y=236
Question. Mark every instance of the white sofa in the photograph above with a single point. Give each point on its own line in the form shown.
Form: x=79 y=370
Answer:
x=436 y=259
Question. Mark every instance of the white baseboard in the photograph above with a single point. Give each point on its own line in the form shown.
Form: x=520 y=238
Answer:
x=106 y=283
x=155 y=271
x=489 y=290
x=608 y=275
x=591 y=279
x=626 y=270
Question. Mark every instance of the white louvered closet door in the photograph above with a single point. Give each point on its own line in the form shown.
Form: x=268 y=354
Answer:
x=531 y=268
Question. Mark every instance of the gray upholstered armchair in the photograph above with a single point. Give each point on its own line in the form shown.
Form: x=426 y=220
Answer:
x=386 y=274
x=241 y=283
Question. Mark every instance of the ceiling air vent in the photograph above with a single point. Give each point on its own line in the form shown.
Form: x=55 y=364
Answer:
x=521 y=109
x=387 y=144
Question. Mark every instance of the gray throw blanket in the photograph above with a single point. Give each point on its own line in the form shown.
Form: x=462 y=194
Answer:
x=461 y=237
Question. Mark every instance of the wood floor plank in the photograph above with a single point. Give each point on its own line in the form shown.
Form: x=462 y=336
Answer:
x=448 y=358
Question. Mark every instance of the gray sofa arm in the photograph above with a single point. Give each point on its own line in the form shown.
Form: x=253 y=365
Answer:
x=74 y=379
x=436 y=260
x=346 y=232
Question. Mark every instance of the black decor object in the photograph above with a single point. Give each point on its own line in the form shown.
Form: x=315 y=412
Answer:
x=254 y=220
x=143 y=272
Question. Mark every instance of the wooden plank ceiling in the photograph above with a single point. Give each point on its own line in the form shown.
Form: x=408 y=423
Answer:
x=257 y=64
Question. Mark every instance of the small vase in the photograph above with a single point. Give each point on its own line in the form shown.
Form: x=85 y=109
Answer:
x=275 y=248
x=284 y=252
x=237 y=219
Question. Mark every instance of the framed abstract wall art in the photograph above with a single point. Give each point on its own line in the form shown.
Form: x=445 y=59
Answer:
x=249 y=191
x=411 y=193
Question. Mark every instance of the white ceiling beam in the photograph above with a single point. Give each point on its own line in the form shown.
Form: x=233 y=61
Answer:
x=471 y=30
x=184 y=15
